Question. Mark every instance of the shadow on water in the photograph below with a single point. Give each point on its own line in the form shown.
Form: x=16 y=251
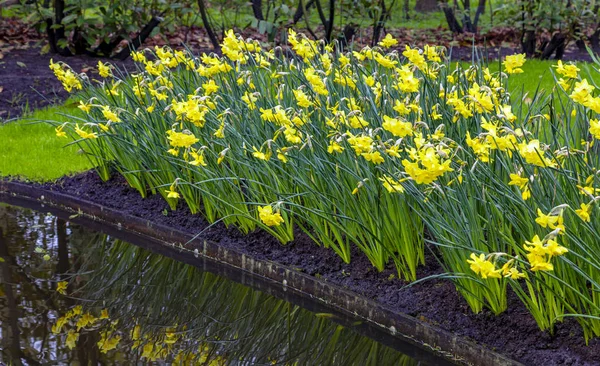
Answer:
x=71 y=295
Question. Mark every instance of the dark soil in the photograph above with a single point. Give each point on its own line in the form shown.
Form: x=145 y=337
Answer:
x=513 y=333
x=29 y=84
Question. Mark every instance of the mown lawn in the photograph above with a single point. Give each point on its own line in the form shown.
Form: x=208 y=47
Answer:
x=29 y=148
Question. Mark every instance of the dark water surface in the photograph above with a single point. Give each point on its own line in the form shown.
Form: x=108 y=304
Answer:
x=72 y=295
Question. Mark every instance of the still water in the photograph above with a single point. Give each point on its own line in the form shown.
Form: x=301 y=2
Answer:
x=71 y=295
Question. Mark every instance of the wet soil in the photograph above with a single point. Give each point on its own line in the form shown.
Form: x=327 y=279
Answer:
x=514 y=333
x=27 y=82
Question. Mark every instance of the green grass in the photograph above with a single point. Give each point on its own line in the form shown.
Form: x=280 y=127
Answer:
x=538 y=73
x=31 y=151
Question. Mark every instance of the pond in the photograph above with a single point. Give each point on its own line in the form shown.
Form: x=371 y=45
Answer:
x=73 y=295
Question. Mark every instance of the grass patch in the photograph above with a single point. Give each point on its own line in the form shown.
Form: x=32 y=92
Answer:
x=30 y=149
x=537 y=75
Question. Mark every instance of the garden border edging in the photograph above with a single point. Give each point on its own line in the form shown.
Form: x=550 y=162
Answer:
x=445 y=344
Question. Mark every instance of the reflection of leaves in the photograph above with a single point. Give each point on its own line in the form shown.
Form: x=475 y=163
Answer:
x=234 y=320
x=226 y=318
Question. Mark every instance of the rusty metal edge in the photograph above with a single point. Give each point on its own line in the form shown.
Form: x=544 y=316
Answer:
x=450 y=346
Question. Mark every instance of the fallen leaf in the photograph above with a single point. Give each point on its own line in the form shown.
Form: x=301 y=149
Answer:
x=1 y=89
x=21 y=64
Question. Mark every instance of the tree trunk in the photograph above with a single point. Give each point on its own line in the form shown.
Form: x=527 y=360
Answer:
x=528 y=43
x=59 y=30
x=453 y=24
x=556 y=45
x=331 y=20
x=595 y=39
x=80 y=44
x=467 y=24
x=257 y=9
x=380 y=23
x=211 y=34
x=480 y=10
x=327 y=23
x=301 y=9
x=139 y=39
x=347 y=35
x=49 y=30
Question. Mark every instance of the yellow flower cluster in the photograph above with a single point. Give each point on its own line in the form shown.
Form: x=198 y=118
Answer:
x=66 y=76
x=329 y=133
x=485 y=268
x=541 y=251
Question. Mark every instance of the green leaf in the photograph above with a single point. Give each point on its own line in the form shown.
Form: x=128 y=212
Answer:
x=262 y=27
x=45 y=49
x=69 y=18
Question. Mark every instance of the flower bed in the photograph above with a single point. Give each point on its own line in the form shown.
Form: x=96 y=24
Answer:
x=373 y=150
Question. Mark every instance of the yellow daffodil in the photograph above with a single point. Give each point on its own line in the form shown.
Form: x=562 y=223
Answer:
x=388 y=41
x=570 y=71
x=268 y=217
x=85 y=107
x=483 y=267
x=104 y=69
x=84 y=134
x=59 y=131
x=584 y=212
x=172 y=193
x=512 y=64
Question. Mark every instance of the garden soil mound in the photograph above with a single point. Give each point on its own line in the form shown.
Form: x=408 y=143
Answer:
x=513 y=333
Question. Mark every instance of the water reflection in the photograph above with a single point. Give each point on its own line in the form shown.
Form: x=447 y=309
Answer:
x=69 y=295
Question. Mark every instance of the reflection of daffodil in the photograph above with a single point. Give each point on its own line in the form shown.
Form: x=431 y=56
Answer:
x=85 y=320
x=72 y=337
x=107 y=343
x=60 y=323
x=61 y=287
